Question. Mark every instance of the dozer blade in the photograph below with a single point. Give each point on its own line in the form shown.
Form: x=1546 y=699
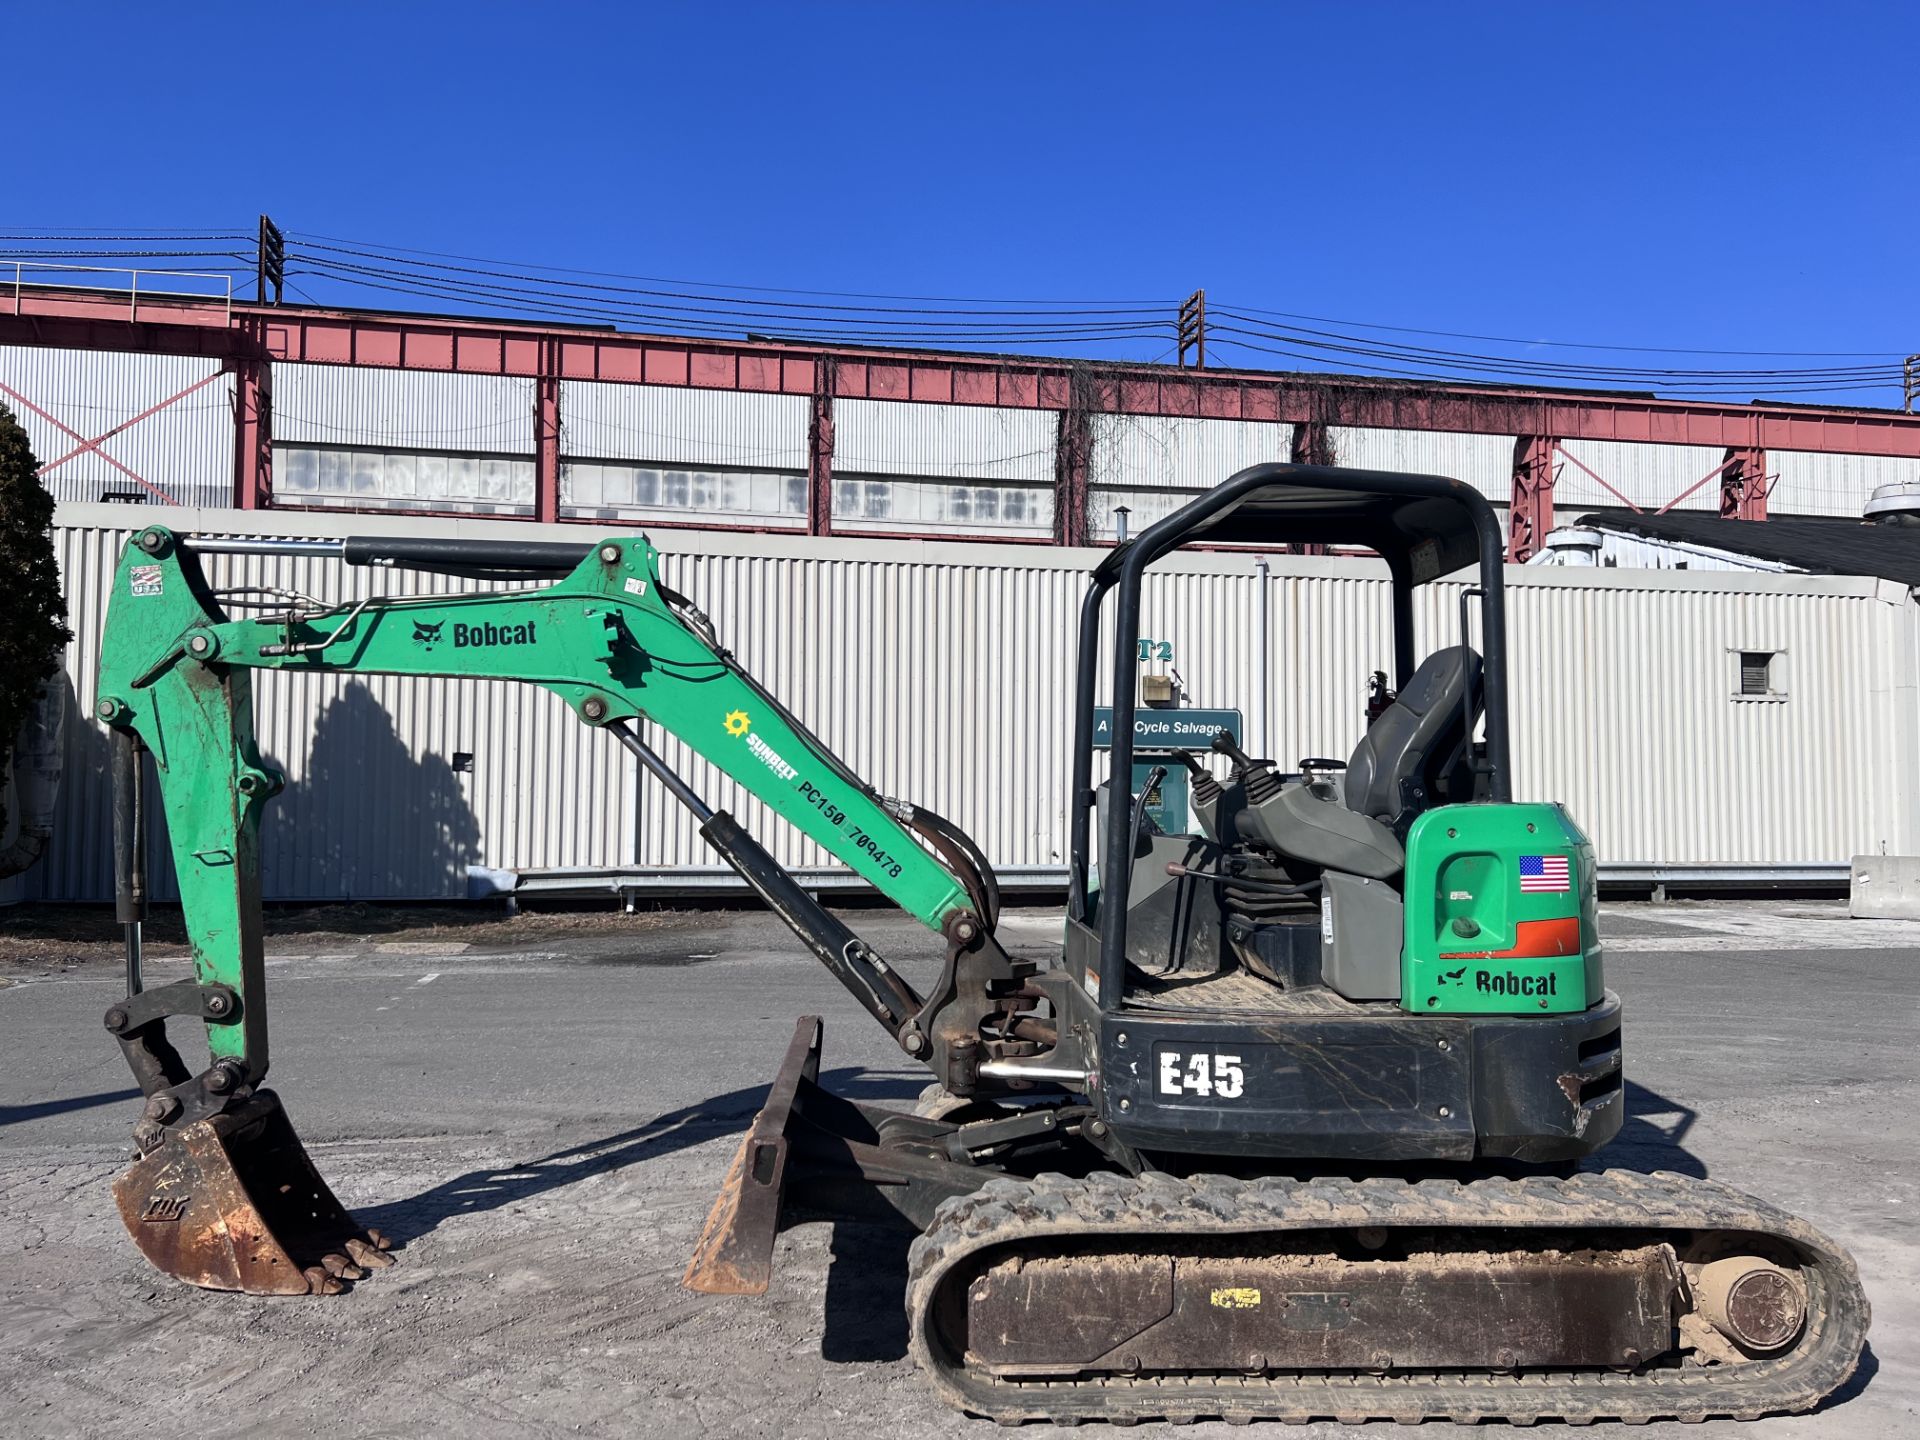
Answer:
x=233 y=1203
x=735 y=1253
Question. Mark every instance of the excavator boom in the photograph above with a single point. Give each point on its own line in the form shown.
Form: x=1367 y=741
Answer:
x=618 y=646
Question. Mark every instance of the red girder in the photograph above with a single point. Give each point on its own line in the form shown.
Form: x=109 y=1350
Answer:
x=1530 y=516
x=251 y=337
x=96 y=320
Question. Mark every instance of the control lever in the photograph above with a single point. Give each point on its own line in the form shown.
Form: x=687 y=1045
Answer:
x=1140 y=801
x=1206 y=789
x=1255 y=775
x=1225 y=744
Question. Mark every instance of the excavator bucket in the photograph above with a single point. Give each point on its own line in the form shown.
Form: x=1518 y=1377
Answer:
x=233 y=1203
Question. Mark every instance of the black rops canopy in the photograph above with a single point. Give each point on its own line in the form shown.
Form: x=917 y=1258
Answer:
x=1424 y=526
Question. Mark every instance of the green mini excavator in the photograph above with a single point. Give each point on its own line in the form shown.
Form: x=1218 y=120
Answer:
x=1293 y=1127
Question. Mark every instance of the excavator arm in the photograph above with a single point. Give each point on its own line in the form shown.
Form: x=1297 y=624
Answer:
x=620 y=647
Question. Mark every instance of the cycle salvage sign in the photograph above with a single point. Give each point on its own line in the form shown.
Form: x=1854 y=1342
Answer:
x=1168 y=729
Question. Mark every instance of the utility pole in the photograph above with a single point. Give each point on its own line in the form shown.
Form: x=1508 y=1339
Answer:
x=271 y=260
x=1911 y=376
x=1192 y=330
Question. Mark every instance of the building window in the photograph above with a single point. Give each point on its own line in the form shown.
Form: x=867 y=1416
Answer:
x=914 y=504
x=639 y=490
x=362 y=479
x=1758 y=674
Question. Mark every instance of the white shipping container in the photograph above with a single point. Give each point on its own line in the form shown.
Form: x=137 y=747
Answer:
x=942 y=672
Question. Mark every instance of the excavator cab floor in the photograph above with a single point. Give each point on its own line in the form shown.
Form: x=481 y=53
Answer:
x=232 y=1202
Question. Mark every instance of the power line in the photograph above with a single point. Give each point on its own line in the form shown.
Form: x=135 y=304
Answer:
x=1350 y=345
x=704 y=284
x=718 y=325
x=667 y=302
x=719 y=310
x=1574 y=344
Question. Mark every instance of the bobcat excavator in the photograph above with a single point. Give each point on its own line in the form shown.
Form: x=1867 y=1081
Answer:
x=1290 y=1130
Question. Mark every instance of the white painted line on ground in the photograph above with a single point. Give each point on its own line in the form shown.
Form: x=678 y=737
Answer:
x=428 y=979
x=422 y=947
x=1704 y=944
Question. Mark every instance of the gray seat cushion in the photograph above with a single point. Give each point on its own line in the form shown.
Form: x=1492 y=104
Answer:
x=1417 y=738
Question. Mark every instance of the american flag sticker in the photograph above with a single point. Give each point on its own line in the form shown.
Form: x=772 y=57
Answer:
x=1544 y=874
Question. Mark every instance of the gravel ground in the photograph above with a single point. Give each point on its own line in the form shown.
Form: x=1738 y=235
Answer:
x=539 y=1110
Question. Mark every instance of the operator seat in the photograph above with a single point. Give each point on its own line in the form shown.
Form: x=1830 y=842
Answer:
x=1413 y=752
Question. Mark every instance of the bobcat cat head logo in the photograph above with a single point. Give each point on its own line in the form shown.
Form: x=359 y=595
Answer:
x=427 y=635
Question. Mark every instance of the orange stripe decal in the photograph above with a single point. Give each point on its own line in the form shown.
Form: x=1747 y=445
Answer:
x=1532 y=939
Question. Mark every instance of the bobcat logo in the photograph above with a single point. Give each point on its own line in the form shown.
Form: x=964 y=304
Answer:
x=427 y=635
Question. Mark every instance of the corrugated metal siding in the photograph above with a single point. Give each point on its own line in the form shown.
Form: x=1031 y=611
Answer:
x=1815 y=484
x=940 y=683
x=671 y=424
x=1154 y=464
x=372 y=807
x=186 y=449
x=1623 y=706
x=1650 y=476
x=1152 y=452
x=402 y=409
x=1625 y=703
x=943 y=673
x=1482 y=461
x=952 y=442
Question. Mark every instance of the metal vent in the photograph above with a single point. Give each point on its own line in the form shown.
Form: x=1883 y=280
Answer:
x=1756 y=667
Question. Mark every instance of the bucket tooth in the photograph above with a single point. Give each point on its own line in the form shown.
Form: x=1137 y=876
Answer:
x=233 y=1203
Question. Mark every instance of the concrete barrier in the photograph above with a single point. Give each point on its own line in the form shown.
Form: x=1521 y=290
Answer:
x=1885 y=887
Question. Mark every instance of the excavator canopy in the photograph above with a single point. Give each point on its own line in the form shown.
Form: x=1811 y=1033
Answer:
x=1426 y=526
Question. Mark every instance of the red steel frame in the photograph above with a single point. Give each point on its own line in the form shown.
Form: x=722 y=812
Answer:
x=249 y=339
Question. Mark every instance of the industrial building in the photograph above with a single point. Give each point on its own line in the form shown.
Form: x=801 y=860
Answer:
x=806 y=490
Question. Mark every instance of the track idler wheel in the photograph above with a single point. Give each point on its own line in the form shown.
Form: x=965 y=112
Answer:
x=233 y=1203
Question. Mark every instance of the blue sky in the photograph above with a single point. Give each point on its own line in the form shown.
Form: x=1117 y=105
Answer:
x=1738 y=177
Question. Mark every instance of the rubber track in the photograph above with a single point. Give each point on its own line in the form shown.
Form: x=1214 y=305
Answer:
x=1032 y=1217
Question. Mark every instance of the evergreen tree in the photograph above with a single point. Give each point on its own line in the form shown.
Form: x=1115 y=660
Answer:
x=34 y=627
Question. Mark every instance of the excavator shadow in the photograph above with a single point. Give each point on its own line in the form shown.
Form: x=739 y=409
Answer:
x=864 y=1321
x=1653 y=1137
x=479 y=1191
x=1857 y=1382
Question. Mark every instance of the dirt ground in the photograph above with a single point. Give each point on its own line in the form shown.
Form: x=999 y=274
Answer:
x=539 y=1110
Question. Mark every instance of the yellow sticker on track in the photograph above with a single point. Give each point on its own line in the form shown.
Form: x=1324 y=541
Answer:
x=1236 y=1297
